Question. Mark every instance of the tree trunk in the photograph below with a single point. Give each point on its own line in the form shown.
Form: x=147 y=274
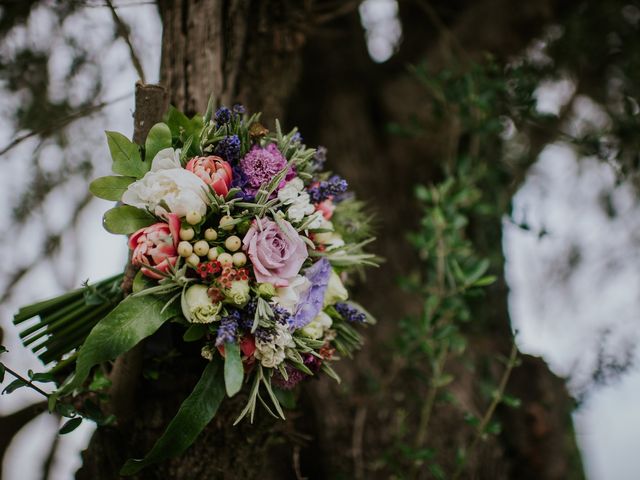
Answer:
x=252 y=53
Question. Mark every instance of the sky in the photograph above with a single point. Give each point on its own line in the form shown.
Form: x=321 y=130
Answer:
x=561 y=314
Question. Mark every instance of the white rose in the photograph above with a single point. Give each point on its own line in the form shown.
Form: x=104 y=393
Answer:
x=167 y=183
x=197 y=306
x=335 y=290
x=288 y=297
x=316 y=328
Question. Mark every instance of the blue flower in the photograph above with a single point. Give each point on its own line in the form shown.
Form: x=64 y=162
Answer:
x=311 y=301
x=350 y=313
x=223 y=116
x=333 y=187
x=228 y=148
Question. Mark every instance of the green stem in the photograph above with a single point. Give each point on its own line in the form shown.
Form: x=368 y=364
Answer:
x=28 y=383
x=486 y=418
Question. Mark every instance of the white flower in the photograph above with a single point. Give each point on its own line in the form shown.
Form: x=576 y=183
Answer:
x=335 y=290
x=292 y=194
x=290 y=191
x=238 y=293
x=168 y=184
x=197 y=306
x=330 y=239
x=317 y=222
x=272 y=353
x=316 y=328
x=289 y=296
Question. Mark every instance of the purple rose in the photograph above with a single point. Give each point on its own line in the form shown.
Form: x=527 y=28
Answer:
x=276 y=254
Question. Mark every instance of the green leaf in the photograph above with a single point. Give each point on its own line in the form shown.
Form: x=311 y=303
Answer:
x=110 y=188
x=100 y=381
x=194 y=415
x=126 y=156
x=71 y=425
x=194 y=332
x=286 y=398
x=13 y=386
x=159 y=138
x=142 y=282
x=134 y=319
x=2 y=370
x=484 y=281
x=233 y=369
x=126 y=219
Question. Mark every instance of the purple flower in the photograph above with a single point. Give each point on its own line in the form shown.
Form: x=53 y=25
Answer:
x=238 y=109
x=294 y=375
x=335 y=186
x=319 y=158
x=276 y=254
x=312 y=300
x=228 y=148
x=260 y=165
x=227 y=329
x=350 y=313
x=223 y=116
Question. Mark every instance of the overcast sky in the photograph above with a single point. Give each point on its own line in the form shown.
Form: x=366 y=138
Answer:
x=560 y=313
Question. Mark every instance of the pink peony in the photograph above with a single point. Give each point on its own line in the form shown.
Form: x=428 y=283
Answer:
x=277 y=255
x=156 y=246
x=213 y=171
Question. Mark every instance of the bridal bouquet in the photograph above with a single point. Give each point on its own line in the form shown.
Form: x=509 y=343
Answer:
x=236 y=234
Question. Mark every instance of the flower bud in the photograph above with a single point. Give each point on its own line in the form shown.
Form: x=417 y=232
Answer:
x=239 y=259
x=210 y=234
x=212 y=254
x=201 y=248
x=185 y=249
x=233 y=243
x=266 y=290
x=335 y=291
x=318 y=326
x=187 y=233
x=193 y=218
x=226 y=223
x=193 y=260
x=225 y=259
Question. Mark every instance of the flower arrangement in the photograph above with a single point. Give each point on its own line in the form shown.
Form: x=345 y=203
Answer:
x=236 y=234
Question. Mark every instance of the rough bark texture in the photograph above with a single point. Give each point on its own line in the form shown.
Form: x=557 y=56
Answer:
x=252 y=52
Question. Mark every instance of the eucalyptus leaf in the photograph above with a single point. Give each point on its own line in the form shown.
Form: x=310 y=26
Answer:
x=70 y=425
x=233 y=369
x=194 y=415
x=195 y=332
x=126 y=219
x=110 y=188
x=159 y=138
x=134 y=319
x=126 y=156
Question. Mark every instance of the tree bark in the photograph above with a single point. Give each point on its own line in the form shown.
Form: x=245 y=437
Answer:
x=252 y=53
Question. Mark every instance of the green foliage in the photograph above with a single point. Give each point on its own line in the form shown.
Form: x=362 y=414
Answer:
x=126 y=219
x=194 y=415
x=111 y=187
x=233 y=368
x=126 y=156
x=134 y=319
x=158 y=138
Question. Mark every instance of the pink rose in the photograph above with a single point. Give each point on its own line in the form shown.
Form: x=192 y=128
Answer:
x=213 y=171
x=156 y=246
x=277 y=255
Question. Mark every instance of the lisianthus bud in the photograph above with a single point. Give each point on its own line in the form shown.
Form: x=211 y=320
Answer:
x=210 y=234
x=187 y=234
x=233 y=243
x=225 y=259
x=238 y=293
x=239 y=259
x=318 y=326
x=197 y=306
x=335 y=291
x=193 y=218
x=266 y=290
x=201 y=248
